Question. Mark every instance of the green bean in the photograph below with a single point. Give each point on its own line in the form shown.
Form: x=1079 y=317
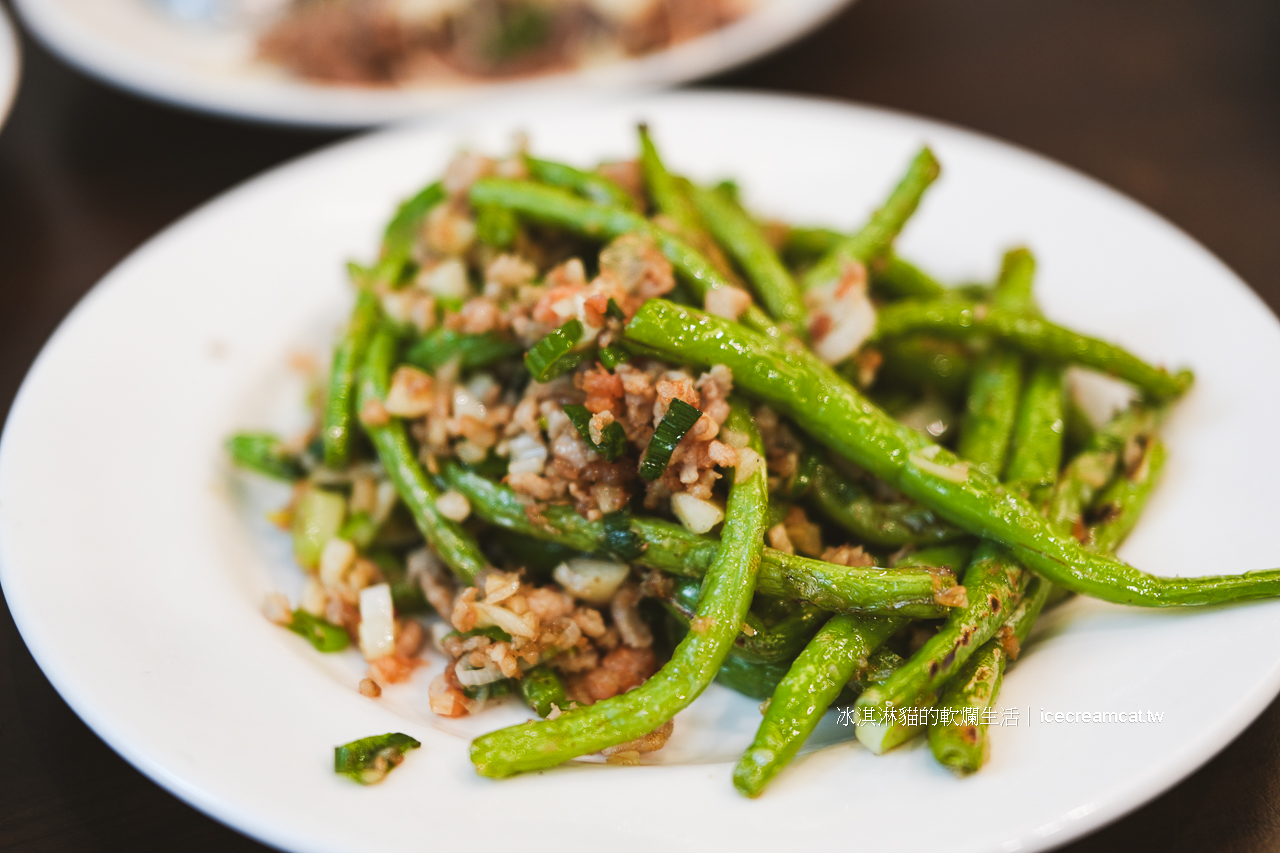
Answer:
x=451 y=542
x=757 y=642
x=752 y=679
x=264 y=453
x=1119 y=505
x=996 y=384
x=339 y=406
x=745 y=243
x=592 y=186
x=670 y=548
x=895 y=278
x=800 y=386
x=1091 y=470
x=991 y=409
x=812 y=683
x=727 y=589
x=1033 y=464
x=1031 y=335
x=876 y=237
x=555 y=207
x=961 y=744
x=542 y=690
x=440 y=346
x=921 y=362
x=883 y=525
x=1079 y=426
x=401 y=234
x=805 y=244
x=665 y=191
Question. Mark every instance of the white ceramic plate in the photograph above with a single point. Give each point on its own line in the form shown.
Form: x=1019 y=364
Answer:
x=135 y=561
x=127 y=43
x=10 y=64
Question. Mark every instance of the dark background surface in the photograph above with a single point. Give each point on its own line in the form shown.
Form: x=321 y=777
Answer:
x=1176 y=102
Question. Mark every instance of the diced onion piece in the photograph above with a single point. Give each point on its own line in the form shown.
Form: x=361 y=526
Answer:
x=314 y=599
x=478 y=677
x=377 y=622
x=468 y=400
x=490 y=615
x=411 y=394
x=335 y=560
x=844 y=316
x=454 y=505
x=697 y=515
x=593 y=581
x=727 y=302
x=447 y=279
x=527 y=453
x=748 y=463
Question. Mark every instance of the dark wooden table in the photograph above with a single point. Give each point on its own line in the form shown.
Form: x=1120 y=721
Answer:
x=1176 y=102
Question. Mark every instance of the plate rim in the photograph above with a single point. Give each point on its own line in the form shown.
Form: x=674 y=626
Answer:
x=1070 y=828
x=338 y=107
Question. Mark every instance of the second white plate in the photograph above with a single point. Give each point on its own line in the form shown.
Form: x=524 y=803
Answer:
x=135 y=564
x=128 y=43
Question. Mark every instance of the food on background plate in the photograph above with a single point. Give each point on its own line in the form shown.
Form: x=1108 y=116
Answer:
x=386 y=42
x=624 y=438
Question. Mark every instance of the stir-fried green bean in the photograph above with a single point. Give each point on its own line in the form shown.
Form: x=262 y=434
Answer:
x=799 y=385
x=340 y=402
x=455 y=545
x=727 y=589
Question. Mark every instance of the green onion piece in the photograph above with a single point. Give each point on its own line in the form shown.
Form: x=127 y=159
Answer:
x=440 y=345
x=678 y=420
x=554 y=355
x=619 y=539
x=370 y=759
x=492 y=632
x=612 y=356
x=612 y=310
x=613 y=439
x=264 y=453
x=324 y=635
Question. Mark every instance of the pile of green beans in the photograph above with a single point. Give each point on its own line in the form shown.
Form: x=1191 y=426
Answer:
x=1026 y=505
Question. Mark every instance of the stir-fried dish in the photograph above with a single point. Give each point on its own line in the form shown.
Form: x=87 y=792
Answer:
x=623 y=438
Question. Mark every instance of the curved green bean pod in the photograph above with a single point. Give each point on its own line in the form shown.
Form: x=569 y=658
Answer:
x=1091 y=470
x=1031 y=335
x=812 y=683
x=402 y=232
x=451 y=542
x=800 y=386
x=873 y=522
x=895 y=278
x=757 y=642
x=1118 y=507
x=339 y=405
x=726 y=596
x=745 y=243
x=553 y=206
x=665 y=191
x=669 y=547
x=875 y=238
x=590 y=185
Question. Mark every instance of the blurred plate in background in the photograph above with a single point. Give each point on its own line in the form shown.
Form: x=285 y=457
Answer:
x=10 y=64
x=206 y=65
